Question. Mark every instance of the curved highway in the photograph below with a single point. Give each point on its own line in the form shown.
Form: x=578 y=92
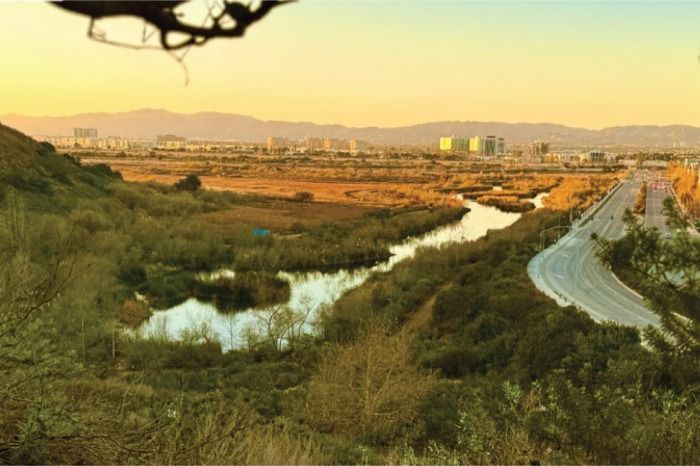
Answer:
x=569 y=272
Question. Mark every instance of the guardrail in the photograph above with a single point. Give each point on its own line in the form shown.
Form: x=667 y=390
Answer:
x=598 y=205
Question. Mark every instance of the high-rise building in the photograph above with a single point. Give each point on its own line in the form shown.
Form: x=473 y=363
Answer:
x=170 y=141
x=596 y=156
x=161 y=138
x=460 y=144
x=312 y=143
x=446 y=143
x=490 y=146
x=501 y=146
x=84 y=132
x=540 y=148
x=475 y=144
x=274 y=143
x=357 y=145
x=454 y=144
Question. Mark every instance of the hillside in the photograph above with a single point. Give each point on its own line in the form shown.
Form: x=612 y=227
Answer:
x=148 y=123
x=45 y=180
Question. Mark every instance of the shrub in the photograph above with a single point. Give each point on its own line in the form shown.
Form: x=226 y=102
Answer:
x=133 y=313
x=304 y=196
x=74 y=160
x=61 y=178
x=104 y=170
x=298 y=227
x=189 y=183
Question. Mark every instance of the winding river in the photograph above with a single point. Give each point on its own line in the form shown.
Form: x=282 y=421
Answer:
x=312 y=291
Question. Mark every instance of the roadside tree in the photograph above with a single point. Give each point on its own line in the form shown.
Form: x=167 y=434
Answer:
x=667 y=273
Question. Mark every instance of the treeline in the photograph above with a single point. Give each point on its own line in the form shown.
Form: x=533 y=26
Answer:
x=580 y=192
x=335 y=244
x=640 y=204
x=506 y=203
x=685 y=183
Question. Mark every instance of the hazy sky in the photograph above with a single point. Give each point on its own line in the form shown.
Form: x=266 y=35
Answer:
x=377 y=63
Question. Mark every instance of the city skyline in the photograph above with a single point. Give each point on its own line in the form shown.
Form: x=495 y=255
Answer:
x=582 y=64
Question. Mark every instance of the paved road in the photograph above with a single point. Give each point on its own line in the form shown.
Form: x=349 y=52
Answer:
x=570 y=273
x=655 y=205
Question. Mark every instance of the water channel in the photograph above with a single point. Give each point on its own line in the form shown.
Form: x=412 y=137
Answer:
x=311 y=291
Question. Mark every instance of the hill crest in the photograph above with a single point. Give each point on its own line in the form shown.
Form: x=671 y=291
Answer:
x=149 y=123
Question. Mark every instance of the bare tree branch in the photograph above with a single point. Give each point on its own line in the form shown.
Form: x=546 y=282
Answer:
x=161 y=14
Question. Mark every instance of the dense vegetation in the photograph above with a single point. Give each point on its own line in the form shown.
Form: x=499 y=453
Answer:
x=685 y=183
x=500 y=374
x=640 y=204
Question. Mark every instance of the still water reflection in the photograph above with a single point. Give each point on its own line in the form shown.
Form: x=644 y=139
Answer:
x=312 y=291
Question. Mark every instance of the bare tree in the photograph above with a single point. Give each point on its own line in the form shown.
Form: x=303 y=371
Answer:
x=367 y=385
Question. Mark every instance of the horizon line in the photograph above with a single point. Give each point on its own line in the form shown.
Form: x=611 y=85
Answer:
x=145 y=109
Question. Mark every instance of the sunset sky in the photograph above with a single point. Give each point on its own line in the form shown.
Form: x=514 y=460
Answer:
x=377 y=63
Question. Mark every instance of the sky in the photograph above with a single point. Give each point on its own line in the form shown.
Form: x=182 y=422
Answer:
x=589 y=64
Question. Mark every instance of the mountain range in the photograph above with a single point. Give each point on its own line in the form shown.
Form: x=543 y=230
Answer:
x=148 y=123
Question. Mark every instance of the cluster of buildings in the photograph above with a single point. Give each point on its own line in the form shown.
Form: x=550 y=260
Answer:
x=493 y=146
x=87 y=138
x=489 y=146
x=310 y=144
x=539 y=148
x=594 y=157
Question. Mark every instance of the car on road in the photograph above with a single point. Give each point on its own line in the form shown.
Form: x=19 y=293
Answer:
x=667 y=235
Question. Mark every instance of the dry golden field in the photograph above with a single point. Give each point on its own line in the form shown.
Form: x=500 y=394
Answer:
x=342 y=188
x=356 y=182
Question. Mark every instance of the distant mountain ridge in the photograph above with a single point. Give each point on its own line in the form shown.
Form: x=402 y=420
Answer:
x=148 y=123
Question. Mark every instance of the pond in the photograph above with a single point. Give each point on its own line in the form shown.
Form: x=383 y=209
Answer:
x=312 y=291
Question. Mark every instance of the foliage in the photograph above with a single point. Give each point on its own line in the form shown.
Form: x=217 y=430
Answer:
x=667 y=273
x=506 y=203
x=685 y=183
x=189 y=183
x=243 y=291
x=579 y=193
x=304 y=196
x=640 y=204
x=133 y=313
x=367 y=386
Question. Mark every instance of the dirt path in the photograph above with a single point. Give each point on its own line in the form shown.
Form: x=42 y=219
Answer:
x=424 y=313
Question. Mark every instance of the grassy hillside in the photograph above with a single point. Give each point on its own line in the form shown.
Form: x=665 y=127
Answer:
x=47 y=181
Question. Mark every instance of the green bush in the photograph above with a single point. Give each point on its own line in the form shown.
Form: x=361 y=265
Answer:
x=189 y=183
x=169 y=290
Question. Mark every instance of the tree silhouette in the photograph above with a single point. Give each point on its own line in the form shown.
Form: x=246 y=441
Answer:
x=232 y=20
x=189 y=183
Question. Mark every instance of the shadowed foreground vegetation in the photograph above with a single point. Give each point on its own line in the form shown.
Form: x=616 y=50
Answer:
x=500 y=374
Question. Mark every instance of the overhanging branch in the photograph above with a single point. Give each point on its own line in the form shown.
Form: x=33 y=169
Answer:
x=161 y=15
